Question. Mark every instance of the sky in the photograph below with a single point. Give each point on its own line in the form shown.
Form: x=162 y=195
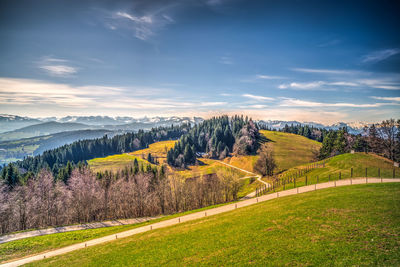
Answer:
x=322 y=61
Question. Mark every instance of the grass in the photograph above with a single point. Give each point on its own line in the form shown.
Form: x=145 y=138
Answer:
x=345 y=226
x=243 y=162
x=247 y=186
x=113 y=163
x=34 y=245
x=208 y=166
x=340 y=166
x=158 y=149
x=291 y=150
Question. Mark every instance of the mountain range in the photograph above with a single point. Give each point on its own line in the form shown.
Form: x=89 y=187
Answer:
x=25 y=136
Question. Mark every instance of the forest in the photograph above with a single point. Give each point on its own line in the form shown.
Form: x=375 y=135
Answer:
x=216 y=138
x=44 y=201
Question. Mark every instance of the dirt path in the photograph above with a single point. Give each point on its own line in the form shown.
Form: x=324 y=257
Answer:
x=63 y=229
x=252 y=194
x=197 y=215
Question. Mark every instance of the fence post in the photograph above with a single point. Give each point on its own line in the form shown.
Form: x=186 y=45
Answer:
x=351 y=176
x=294 y=182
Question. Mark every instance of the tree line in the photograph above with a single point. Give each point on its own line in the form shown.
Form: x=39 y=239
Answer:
x=381 y=138
x=44 y=201
x=215 y=138
x=62 y=160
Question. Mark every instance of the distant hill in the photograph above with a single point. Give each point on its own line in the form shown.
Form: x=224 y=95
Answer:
x=16 y=150
x=11 y=122
x=45 y=128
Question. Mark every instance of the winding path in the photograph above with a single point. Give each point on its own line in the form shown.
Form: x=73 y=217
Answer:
x=197 y=215
x=252 y=194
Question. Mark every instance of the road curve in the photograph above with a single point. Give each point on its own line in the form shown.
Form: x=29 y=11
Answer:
x=198 y=215
x=252 y=194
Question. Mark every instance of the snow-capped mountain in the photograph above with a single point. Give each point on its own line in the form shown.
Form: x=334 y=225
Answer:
x=353 y=127
x=12 y=122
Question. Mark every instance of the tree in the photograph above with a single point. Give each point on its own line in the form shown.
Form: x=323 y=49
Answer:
x=265 y=163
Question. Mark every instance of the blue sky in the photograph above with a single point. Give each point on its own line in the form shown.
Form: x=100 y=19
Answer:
x=324 y=61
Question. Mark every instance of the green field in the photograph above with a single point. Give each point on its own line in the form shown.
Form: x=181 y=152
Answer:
x=352 y=225
x=291 y=150
x=113 y=163
x=339 y=167
x=34 y=245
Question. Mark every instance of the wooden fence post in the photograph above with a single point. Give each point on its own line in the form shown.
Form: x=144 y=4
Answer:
x=351 y=176
x=294 y=182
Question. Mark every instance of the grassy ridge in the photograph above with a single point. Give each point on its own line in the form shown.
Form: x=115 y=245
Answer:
x=353 y=225
x=340 y=166
x=291 y=150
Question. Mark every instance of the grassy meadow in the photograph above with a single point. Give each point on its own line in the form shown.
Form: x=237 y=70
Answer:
x=340 y=167
x=352 y=225
x=291 y=150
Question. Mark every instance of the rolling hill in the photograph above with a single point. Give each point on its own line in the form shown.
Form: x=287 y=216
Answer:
x=349 y=225
x=339 y=167
x=289 y=150
x=11 y=151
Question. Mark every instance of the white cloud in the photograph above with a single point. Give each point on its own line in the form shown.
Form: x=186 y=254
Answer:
x=302 y=86
x=327 y=71
x=291 y=102
x=268 y=77
x=257 y=97
x=59 y=70
x=380 y=55
x=57 y=67
x=143 y=26
x=143 y=19
x=397 y=99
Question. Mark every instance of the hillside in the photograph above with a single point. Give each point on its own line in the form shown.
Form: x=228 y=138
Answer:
x=289 y=150
x=340 y=166
x=350 y=225
x=45 y=128
x=18 y=149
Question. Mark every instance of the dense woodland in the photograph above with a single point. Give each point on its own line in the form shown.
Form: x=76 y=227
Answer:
x=62 y=160
x=44 y=201
x=381 y=138
x=215 y=138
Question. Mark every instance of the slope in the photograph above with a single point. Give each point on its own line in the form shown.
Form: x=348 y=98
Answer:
x=351 y=225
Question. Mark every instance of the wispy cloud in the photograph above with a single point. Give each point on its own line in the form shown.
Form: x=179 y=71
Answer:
x=33 y=93
x=302 y=86
x=226 y=60
x=257 y=97
x=327 y=71
x=380 y=55
x=269 y=77
x=57 y=67
x=397 y=99
x=292 y=102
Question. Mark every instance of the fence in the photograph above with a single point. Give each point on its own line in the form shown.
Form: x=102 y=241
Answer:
x=301 y=177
